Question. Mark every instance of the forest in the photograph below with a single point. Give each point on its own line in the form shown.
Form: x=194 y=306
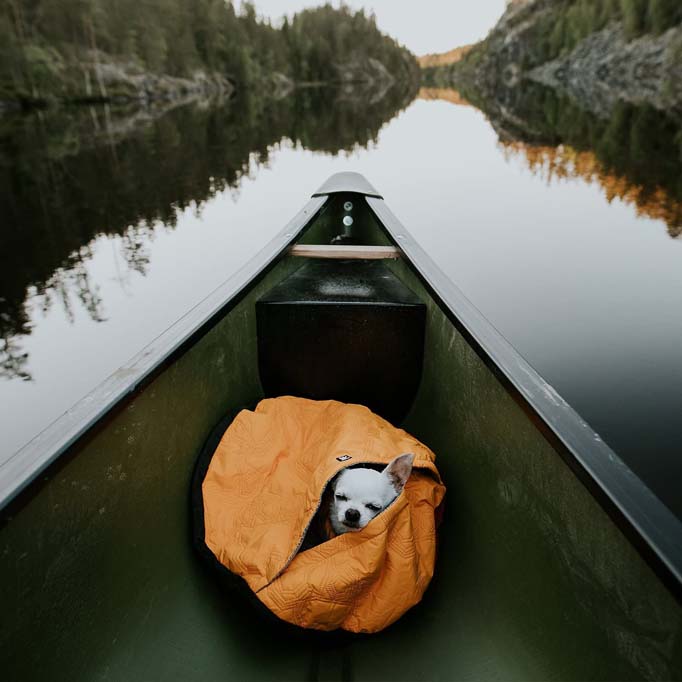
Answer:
x=55 y=49
x=567 y=22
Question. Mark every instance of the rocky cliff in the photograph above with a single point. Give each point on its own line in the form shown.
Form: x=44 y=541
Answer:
x=93 y=76
x=595 y=57
x=606 y=68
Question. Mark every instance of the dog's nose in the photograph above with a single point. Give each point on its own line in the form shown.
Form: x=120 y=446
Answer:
x=352 y=515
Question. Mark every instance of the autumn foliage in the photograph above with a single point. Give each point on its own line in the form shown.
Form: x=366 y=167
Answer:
x=443 y=58
x=563 y=163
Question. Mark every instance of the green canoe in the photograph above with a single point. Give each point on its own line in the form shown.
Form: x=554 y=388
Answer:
x=555 y=562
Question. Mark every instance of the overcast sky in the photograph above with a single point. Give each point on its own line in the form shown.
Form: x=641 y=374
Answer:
x=424 y=26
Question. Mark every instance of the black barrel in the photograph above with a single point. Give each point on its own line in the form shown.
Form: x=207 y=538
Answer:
x=346 y=330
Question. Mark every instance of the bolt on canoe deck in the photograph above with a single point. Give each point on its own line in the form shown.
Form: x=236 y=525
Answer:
x=534 y=579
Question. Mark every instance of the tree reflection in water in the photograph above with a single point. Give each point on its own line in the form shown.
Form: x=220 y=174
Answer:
x=562 y=162
x=73 y=175
x=634 y=155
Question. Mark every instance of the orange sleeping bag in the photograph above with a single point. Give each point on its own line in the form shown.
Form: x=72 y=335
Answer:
x=263 y=487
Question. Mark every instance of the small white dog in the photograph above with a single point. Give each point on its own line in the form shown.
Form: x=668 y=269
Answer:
x=360 y=494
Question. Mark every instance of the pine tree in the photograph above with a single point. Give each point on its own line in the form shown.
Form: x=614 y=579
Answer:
x=663 y=14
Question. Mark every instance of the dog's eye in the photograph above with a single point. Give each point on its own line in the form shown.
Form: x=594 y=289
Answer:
x=373 y=507
x=341 y=498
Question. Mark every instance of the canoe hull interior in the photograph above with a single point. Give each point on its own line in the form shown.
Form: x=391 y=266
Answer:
x=533 y=581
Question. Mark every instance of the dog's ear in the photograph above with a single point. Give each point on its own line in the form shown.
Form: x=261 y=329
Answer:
x=399 y=470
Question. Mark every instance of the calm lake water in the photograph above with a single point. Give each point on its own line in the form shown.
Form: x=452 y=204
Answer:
x=561 y=228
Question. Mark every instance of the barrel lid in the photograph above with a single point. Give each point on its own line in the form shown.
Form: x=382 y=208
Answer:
x=342 y=282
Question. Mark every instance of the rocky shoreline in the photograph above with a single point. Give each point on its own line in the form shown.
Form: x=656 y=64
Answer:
x=606 y=68
x=96 y=77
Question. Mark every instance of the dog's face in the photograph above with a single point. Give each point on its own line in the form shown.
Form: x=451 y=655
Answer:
x=360 y=494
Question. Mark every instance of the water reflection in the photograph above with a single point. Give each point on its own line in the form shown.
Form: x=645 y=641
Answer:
x=445 y=95
x=73 y=175
x=564 y=162
x=588 y=292
x=634 y=155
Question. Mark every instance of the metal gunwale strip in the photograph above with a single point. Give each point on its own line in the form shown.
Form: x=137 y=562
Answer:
x=647 y=523
x=27 y=463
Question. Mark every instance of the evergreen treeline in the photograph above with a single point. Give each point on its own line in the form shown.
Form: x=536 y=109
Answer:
x=323 y=42
x=568 y=22
x=45 y=42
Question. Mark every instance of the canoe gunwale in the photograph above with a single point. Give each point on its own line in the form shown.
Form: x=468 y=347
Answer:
x=56 y=440
x=646 y=522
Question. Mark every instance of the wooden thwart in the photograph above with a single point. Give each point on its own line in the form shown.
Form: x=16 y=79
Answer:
x=341 y=251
